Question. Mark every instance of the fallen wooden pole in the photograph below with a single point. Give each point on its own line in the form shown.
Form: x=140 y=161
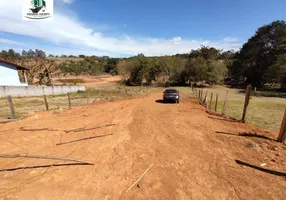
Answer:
x=87 y=129
x=81 y=139
x=140 y=177
x=43 y=157
x=37 y=129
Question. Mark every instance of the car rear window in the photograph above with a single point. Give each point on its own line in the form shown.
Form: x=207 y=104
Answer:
x=170 y=91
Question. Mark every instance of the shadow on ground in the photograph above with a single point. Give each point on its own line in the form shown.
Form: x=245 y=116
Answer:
x=260 y=168
x=165 y=102
x=223 y=119
x=245 y=134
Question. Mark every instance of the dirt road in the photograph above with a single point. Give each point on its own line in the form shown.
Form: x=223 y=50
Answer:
x=191 y=160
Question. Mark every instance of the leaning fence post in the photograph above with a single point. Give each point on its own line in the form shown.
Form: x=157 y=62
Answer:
x=211 y=99
x=216 y=99
x=46 y=102
x=246 y=102
x=225 y=103
x=11 y=107
x=282 y=133
x=69 y=99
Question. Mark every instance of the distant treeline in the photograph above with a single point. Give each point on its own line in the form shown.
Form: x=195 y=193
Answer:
x=261 y=62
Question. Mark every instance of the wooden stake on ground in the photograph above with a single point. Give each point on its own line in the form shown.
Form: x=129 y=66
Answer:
x=87 y=129
x=210 y=105
x=216 y=99
x=81 y=139
x=42 y=157
x=11 y=107
x=69 y=99
x=225 y=103
x=140 y=177
x=46 y=102
x=246 y=102
x=282 y=133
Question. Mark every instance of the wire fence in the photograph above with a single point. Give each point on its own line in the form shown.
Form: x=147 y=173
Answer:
x=243 y=106
x=18 y=107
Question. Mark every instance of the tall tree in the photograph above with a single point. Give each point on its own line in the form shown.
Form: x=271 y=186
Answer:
x=261 y=53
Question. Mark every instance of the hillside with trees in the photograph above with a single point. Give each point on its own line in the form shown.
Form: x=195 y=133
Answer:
x=261 y=62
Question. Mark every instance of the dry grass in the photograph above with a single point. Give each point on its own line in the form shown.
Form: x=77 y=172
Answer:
x=263 y=112
x=24 y=105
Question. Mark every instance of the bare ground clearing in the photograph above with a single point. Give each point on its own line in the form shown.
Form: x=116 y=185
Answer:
x=195 y=155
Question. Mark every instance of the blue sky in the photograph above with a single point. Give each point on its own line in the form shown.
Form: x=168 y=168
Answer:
x=127 y=27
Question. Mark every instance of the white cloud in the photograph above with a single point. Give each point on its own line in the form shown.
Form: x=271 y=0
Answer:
x=7 y=41
x=68 y=1
x=67 y=30
x=230 y=39
x=176 y=40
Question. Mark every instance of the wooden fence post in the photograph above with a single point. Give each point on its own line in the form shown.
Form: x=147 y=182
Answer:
x=202 y=96
x=225 y=103
x=246 y=102
x=282 y=133
x=216 y=99
x=211 y=99
x=69 y=99
x=126 y=91
x=46 y=102
x=11 y=107
x=87 y=98
x=205 y=99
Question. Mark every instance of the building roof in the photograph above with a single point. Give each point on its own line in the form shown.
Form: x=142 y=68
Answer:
x=15 y=65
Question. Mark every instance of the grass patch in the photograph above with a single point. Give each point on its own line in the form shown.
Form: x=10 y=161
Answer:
x=270 y=94
x=24 y=105
x=263 y=112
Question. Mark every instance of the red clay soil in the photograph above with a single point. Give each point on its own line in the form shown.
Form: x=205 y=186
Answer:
x=191 y=160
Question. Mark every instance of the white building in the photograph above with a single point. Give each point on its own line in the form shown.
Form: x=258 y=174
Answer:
x=9 y=74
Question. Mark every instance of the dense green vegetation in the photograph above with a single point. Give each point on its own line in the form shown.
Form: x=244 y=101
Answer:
x=261 y=62
x=202 y=65
x=262 y=59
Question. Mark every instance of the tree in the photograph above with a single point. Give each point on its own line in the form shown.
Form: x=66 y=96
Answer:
x=262 y=54
x=40 y=53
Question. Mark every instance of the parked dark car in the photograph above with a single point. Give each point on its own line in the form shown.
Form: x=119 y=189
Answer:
x=171 y=95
